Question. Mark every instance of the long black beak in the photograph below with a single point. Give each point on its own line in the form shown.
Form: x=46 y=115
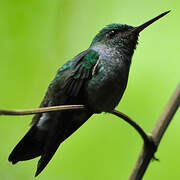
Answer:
x=146 y=24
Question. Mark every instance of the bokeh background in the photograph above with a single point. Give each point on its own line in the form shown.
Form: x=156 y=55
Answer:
x=37 y=37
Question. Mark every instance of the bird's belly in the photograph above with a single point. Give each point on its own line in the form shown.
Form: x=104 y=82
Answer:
x=104 y=93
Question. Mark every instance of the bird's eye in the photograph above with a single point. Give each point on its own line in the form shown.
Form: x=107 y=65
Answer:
x=111 y=33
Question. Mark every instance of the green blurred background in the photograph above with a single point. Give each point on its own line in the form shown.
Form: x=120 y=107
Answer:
x=38 y=36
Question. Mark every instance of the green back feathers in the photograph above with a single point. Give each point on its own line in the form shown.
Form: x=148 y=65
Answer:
x=90 y=59
x=77 y=70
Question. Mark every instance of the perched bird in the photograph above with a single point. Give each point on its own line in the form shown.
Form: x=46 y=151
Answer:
x=97 y=78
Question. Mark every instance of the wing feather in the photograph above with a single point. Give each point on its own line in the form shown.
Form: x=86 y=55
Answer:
x=81 y=71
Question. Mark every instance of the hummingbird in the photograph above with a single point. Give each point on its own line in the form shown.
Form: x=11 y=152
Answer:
x=96 y=78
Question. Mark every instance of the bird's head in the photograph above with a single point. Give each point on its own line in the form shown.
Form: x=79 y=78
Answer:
x=122 y=35
x=116 y=35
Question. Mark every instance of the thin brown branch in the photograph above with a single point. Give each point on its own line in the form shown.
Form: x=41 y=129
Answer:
x=40 y=110
x=73 y=107
x=156 y=135
x=165 y=118
x=132 y=123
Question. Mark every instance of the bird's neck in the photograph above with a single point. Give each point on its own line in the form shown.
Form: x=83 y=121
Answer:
x=122 y=53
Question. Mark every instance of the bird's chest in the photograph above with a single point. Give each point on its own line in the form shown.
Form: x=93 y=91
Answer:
x=107 y=85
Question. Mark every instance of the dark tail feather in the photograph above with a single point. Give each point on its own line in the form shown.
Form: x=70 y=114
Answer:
x=45 y=143
x=46 y=157
x=28 y=148
x=58 y=132
x=52 y=143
